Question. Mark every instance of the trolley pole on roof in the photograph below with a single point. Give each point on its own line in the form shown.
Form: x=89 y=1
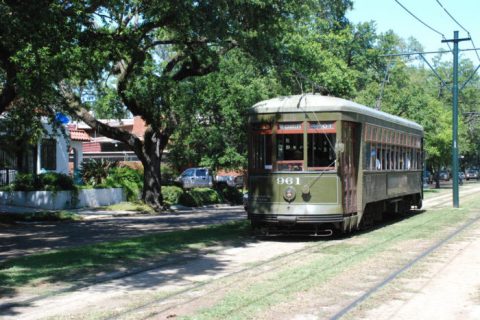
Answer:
x=455 y=166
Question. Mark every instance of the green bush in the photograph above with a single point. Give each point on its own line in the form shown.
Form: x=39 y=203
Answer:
x=24 y=182
x=187 y=200
x=50 y=181
x=200 y=197
x=129 y=179
x=53 y=181
x=95 y=172
x=168 y=175
x=171 y=195
x=230 y=194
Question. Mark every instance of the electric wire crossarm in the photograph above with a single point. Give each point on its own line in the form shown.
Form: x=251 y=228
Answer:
x=433 y=70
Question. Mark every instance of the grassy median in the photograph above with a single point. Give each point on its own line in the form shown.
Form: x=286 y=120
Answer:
x=85 y=262
x=347 y=264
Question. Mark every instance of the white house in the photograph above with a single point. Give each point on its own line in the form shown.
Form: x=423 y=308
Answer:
x=50 y=154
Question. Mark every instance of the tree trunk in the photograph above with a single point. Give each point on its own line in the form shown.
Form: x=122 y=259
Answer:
x=437 y=178
x=154 y=144
x=152 y=188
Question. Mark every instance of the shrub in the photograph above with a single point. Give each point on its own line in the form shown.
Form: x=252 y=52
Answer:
x=171 y=195
x=95 y=172
x=168 y=175
x=200 y=197
x=231 y=194
x=50 y=181
x=24 y=182
x=127 y=178
x=53 y=181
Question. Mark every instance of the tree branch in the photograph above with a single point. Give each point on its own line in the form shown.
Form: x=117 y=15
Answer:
x=9 y=90
x=74 y=104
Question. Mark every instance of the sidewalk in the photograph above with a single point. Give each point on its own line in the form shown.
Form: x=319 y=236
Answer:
x=98 y=213
x=86 y=213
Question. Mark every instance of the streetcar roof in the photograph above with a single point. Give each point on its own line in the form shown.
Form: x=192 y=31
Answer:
x=318 y=103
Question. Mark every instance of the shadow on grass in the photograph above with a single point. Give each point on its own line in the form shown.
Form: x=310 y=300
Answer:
x=86 y=265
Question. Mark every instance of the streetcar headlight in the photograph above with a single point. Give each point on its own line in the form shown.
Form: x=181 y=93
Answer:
x=289 y=194
x=306 y=189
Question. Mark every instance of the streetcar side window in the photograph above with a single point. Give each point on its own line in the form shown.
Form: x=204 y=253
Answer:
x=388 y=149
x=262 y=152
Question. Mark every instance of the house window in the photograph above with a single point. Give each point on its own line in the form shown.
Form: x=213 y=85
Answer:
x=48 y=152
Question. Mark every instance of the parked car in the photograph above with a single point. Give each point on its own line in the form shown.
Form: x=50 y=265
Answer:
x=444 y=175
x=471 y=174
x=232 y=179
x=195 y=177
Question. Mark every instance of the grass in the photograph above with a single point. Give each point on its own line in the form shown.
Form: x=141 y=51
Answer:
x=40 y=216
x=262 y=293
x=130 y=206
x=81 y=263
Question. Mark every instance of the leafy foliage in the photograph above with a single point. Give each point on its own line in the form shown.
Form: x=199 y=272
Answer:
x=50 y=181
x=199 y=197
x=127 y=178
x=94 y=172
x=172 y=195
x=168 y=174
x=231 y=194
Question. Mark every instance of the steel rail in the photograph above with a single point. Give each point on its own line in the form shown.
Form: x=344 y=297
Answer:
x=262 y=265
x=406 y=267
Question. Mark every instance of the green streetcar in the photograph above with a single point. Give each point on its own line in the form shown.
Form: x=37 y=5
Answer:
x=319 y=164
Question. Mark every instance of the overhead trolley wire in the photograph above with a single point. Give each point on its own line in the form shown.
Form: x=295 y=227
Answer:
x=455 y=20
x=458 y=23
x=422 y=22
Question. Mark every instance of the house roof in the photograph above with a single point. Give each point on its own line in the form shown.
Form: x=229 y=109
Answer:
x=135 y=125
x=79 y=135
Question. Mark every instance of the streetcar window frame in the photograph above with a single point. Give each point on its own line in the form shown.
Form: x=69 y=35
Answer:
x=391 y=150
x=290 y=151
x=261 y=144
x=326 y=132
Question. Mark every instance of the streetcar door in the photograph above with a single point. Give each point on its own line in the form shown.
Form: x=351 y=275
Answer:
x=348 y=166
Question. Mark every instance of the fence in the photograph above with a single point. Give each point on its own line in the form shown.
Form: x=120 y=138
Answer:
x=7 y=176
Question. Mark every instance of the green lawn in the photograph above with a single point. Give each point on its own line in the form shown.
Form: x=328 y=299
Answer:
x=262 y=293
x=82 y=263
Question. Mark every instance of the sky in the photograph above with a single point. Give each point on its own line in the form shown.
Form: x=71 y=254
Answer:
x=389 y=15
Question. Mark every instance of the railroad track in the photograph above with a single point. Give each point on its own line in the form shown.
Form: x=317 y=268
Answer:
x=394 y=275
x=269 y=265
x=164 y=304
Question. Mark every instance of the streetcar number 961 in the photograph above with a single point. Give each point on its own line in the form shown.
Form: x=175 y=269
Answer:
x=288 y=181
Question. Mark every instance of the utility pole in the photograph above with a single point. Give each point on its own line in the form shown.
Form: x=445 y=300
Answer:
x=455 y=41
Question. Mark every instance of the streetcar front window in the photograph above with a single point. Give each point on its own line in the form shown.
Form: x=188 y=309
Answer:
x=290 y=152
x=321 y=151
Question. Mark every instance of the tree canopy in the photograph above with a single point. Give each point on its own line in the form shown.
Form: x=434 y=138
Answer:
x=191 y=70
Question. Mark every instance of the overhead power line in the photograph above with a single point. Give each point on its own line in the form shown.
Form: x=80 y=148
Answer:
x=455 y=20
x=422 y=22
x=458 y=23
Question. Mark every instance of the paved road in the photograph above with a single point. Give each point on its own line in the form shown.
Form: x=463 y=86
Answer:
x=27 y=238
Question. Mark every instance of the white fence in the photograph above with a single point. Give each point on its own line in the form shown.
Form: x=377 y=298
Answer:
x=59 y=200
